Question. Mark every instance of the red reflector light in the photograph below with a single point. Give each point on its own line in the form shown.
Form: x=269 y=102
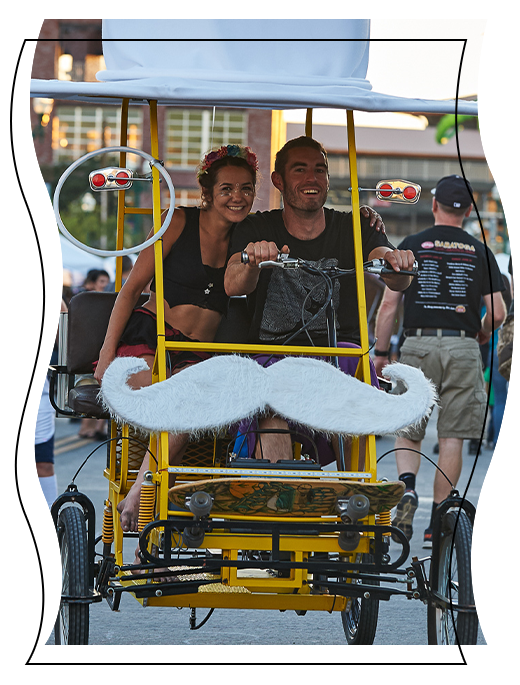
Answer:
x=409 y=192
x=386 y=190
x=98 y=180
x=122 y=178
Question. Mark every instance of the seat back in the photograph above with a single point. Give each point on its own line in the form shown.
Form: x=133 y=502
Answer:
x=89 y=313
x=234 y=326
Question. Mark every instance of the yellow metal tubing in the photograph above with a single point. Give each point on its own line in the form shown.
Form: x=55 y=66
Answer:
x=358 y=248
x=239 y=600
x=141 y=210
x=308 y=123
x=278 y=138
x=121 y=195
x=159 y=282
x=248 y=348
x=159 y=372
x=363 y=371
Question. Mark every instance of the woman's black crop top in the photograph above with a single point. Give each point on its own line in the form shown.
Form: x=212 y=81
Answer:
x=186 y=279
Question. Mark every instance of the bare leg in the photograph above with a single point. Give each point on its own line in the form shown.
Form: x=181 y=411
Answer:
x=450 y=461
x=407 y=461
x=347 y=452
x=129 y=506
x=87 y=428
x=273 y=446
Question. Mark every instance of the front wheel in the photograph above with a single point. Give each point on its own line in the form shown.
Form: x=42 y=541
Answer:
x=451 y=580
x=72 y=624
x=360 y=618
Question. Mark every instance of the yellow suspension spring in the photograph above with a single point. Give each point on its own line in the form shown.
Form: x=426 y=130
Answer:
x=146 y=502
x=384 y=518
x=107 y=531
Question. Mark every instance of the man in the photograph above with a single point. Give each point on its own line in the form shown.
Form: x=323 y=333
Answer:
x=443 y=329
x=307 y=230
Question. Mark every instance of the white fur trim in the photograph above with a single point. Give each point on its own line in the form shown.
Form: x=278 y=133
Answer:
x=223 y=390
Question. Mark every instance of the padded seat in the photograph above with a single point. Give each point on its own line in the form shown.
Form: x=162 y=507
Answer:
x=88 y=316
x=83 y=399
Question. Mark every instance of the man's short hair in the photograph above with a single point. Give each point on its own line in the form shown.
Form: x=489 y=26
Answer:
x=454 y=211
x=303 y=141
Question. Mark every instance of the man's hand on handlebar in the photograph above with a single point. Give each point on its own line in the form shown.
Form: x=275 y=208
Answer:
x=400 y=260
x=262 y=252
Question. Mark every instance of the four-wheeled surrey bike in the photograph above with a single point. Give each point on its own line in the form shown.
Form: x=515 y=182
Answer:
x=238 y=532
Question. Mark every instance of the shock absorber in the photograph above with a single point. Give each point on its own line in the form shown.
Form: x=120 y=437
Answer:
x=107 y=530
x=146 y=501
x=384 y=518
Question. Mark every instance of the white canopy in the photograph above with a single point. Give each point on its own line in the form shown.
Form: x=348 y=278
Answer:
x=258 y=63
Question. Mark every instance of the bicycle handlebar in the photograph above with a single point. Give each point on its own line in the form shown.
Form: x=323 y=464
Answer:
x=285 y=261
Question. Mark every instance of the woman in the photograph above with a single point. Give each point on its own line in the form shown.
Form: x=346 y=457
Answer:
x=195 y=250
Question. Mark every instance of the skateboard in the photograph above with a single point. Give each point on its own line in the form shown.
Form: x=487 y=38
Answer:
x=287 y=497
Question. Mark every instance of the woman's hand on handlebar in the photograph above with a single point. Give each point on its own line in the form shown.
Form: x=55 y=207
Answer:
x=263 y=251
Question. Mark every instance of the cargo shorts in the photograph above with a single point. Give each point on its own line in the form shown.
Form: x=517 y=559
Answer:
x=454 y=365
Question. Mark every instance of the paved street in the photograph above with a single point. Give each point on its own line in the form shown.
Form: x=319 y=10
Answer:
x=401 y=621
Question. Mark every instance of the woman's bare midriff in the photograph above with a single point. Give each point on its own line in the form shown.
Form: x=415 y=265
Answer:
x=194 y=322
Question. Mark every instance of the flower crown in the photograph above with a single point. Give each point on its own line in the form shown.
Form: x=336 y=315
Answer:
x=228 y=151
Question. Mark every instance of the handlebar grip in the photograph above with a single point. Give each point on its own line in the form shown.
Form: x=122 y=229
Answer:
x=244 y=257
x=388 y=270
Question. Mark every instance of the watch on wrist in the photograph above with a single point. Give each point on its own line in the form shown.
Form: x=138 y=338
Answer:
x=380 y=353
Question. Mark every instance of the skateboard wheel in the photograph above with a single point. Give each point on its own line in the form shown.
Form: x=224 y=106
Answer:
x=349 y=540
x=200 y=503
x=358 y=507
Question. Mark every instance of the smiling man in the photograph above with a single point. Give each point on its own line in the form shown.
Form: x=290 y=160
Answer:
x=281 y=300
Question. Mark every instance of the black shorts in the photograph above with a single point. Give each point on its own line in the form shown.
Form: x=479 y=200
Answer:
x=44 y=451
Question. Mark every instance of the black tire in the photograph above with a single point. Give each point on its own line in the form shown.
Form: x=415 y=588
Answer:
x=447 y=627
x=72 y=623
x=360 y=618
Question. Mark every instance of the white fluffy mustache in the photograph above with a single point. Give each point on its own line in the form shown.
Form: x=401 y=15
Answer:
x=221 y=391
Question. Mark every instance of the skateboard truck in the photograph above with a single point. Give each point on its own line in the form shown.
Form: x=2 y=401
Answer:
x=199 y=504
x=351 y=510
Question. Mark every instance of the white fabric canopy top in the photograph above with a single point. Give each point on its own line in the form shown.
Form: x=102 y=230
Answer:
x=258 y=63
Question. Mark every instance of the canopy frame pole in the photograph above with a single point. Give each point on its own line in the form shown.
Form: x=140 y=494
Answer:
x=363 y=369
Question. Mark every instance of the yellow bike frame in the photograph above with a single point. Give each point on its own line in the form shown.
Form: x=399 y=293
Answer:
x=232 y=588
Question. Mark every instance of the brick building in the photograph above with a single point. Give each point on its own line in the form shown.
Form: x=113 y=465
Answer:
x=63 y=131
x=72 y=49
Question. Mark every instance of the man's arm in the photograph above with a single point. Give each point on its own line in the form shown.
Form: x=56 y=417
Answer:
x=398 y=260
x=385 y=323
x=242 y=279
x=493 y=318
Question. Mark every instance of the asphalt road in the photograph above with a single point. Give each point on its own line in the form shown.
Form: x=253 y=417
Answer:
x=401 y=621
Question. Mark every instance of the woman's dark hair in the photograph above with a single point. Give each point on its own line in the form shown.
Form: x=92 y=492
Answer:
x=209 y=178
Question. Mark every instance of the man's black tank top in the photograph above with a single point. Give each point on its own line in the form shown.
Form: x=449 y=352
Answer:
x=186 y=279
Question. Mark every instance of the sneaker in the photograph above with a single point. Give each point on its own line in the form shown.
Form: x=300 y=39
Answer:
x=405 y=512
x=427 y=544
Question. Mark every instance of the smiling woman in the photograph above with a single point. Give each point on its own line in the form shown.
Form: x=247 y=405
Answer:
x=195 y=250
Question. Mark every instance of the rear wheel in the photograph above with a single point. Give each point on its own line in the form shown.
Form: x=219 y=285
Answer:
x=452 y=580
x=72 y=624
x=360 y=618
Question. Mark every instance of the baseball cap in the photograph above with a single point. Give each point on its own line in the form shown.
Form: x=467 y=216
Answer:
x=452 y=191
